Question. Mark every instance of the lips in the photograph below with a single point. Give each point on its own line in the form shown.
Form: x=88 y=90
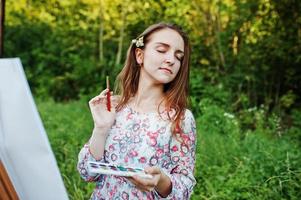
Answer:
x=166 y=69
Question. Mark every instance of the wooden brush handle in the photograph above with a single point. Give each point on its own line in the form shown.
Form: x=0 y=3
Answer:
x=108 y=94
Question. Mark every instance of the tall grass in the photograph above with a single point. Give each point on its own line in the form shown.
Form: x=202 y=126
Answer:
x=68 y=127
x=231 y=163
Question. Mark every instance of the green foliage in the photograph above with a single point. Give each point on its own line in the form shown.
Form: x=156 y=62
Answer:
x=215 y=119
x=294 y=130
x=228 y=166
x=68 y=127
x=247 y=50
x=252 y=167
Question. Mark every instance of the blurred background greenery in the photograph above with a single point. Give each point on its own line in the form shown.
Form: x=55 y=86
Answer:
x=245 y=82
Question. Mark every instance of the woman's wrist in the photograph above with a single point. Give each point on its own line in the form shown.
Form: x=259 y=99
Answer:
x=100 y=130
x=97 y=141
x=164 y=186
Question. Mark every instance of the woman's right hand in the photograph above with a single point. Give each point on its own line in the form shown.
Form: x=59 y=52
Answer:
x=103 y=119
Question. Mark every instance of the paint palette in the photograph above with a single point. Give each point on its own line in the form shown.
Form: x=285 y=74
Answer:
x=118 y=170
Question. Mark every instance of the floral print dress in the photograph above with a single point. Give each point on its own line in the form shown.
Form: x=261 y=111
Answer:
x=141 y=140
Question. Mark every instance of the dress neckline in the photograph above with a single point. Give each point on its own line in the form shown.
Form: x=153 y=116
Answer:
x=133 y=111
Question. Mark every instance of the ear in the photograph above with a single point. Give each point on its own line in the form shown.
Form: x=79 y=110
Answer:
x=139 y=53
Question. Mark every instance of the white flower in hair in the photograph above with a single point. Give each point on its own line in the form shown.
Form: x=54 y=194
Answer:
x=139 y=42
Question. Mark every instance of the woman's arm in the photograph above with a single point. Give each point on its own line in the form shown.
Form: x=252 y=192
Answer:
x=97 y=142
x=103 y=121
x=82 y=166
x=182 y=161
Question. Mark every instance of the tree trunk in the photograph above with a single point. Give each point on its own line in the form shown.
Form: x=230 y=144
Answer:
x=218 y=31
x=2 y=17
x=121 y=36
x=100 y=36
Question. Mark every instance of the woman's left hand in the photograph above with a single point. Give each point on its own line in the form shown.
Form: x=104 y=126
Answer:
x=148 y=185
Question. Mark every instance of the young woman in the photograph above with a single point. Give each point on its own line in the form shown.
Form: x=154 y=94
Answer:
x=149 y=125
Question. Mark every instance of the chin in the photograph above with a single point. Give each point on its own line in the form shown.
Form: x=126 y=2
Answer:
x=165 y=80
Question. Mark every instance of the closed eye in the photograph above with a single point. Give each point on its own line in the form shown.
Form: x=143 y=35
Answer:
x=180 y=58
x=161 y=51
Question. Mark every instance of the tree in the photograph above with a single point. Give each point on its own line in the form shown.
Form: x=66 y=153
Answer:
x=2 y=16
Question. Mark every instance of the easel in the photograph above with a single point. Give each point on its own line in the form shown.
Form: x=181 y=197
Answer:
x=28 y=170
x=7 y=190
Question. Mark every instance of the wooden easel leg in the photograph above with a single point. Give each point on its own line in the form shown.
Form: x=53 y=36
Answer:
x=7 y=190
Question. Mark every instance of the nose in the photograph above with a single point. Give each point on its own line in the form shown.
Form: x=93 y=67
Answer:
x=170 y=59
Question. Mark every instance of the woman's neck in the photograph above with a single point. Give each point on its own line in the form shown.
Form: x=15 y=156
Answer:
x=148 y=97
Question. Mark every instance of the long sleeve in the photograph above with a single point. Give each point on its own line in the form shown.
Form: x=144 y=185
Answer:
x=82 y=165
x=182 y=161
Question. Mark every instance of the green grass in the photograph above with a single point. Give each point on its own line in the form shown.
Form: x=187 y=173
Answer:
x=230 y=163
x=68 y=127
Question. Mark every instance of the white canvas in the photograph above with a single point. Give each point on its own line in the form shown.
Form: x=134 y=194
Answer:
x=24 y=147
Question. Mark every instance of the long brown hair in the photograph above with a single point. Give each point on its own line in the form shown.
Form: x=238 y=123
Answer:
x=176 y=92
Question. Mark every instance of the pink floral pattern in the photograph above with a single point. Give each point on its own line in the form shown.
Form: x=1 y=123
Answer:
x=141 y=140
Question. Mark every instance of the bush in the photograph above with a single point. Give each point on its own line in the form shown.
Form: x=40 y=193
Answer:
x=255 y=166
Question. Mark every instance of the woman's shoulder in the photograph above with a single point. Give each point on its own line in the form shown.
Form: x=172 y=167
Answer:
x=189 y=123
x=188 y=114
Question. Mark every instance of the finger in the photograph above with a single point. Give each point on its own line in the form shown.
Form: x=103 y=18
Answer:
x=97 y=99
x=152 y=170
x=115 y=98
x=143 y=181
x=114 y=104
x=135 y=183
x=100 y=98
x=131 y=178
x=149 y=189
x=136 y=179
x=144 y=188
x=113 y=109
x=104 y=92
x=93 y=100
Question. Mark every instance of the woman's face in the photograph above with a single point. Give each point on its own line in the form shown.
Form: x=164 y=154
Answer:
x=161 y=56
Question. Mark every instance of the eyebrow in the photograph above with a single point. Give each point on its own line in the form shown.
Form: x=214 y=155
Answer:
x=167 y=45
